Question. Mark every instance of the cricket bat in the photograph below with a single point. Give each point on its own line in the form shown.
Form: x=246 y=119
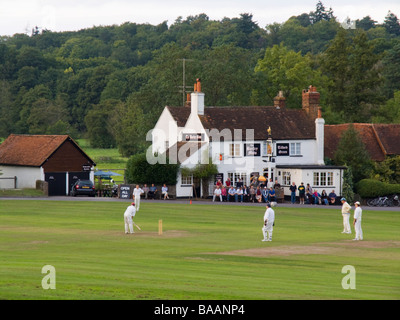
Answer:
x=136 y=225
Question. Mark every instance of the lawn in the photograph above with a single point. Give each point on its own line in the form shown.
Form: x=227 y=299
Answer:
x=105 y=159
x=205 y=252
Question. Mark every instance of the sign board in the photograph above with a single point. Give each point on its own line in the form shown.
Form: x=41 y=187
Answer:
x=192 y=136
x=282 y=149
x=86 y=167
x=252 y=149
x=125 y=191
x=219 y=176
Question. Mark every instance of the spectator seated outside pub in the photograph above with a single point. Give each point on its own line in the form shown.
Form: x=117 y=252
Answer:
x=231 y=194
x=152 y=192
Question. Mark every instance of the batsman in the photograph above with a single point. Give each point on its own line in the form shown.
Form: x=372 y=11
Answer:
x=130 y=212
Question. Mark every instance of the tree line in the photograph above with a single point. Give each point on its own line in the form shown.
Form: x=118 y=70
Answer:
x=110 y=83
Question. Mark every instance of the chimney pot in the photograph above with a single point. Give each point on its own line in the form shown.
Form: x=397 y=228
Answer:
x=198 y=82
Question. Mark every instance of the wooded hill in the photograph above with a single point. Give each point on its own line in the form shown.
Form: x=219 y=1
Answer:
x=110 y=83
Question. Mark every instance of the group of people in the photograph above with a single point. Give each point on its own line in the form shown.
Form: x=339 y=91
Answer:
x=309 y=196
x=356 y=221
x=149 y=193
x=243 y=193
x=269 y=220
x=269 y=216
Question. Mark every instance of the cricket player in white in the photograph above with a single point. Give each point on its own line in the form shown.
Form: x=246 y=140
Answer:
x=346 y=216
x=357 y=221
x=128 y=215
x=269 y=218
x=136 y=196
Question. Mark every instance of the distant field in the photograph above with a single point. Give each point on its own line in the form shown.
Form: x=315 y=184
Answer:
x=105 y=159
x=206 y=252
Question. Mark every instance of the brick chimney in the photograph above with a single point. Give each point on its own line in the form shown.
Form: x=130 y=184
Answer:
x=310 y=101
x=280 y=101
x=197 y=99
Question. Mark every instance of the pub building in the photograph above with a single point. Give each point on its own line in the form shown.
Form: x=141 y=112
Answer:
x=271 y=141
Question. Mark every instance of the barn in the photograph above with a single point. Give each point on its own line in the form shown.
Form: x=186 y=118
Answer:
x=57 y=159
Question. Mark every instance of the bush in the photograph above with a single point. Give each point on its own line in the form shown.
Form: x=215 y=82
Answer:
x=138 y=170
x=370 y=188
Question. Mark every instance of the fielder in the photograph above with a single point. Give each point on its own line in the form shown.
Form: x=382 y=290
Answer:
x=357 y=221
x=128 y=215
x=346 y=216
x=136 y=196
x=269 y=218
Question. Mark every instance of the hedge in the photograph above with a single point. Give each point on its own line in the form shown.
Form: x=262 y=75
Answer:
x=370 y=188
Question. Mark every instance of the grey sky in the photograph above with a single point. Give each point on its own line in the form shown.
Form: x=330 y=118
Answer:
x=20 y=16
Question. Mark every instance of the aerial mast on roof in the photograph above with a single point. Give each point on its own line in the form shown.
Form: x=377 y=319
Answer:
x=184 y=86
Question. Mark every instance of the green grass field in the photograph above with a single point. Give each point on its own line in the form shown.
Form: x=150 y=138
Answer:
x=205 y=252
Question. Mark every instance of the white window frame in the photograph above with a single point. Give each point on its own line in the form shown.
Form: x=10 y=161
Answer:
x=286 y=178
x=234 y=177
x=295 y=149
x=186 y=180
x=323 y=178
x=234 y=150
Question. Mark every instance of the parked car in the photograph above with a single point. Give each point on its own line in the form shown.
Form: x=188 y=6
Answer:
x=83 y=187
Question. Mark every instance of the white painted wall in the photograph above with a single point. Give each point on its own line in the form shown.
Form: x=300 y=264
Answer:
x=166 y=129
x=26 y=176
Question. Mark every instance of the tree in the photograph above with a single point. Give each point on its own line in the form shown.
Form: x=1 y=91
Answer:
x=348 y=185
x=352 y=153
x=351 y=66
x=392 y=24
x=138 y=170
x=202 y=172
x=390 y=111
x=98 y=125
x=321 y=14
x=284 y=70
x=391 y=70
x=366 y=23
x=128 y=125
x=388 y=170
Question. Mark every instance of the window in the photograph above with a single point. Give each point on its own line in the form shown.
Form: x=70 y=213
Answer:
x=235 y=176
x=295 y=149
x=286 y=178
x=186 y=180
x=234 y=149
x=316 y=179
x=323 y=179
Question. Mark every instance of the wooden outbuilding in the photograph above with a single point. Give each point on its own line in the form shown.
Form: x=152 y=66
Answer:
x=56 y=159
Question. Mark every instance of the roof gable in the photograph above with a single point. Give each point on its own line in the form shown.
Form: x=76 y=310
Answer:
x=32 y=150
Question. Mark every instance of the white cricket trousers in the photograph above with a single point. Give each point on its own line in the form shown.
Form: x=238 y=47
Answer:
x=137 y=203
x=267 y=231
x=128 y=224
x=346 y=223
x=359 y=233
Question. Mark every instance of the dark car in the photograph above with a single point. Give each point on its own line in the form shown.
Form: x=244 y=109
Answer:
x=83 y=187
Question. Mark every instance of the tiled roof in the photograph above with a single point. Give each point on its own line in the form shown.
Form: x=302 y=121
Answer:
x=285 y=123
x=389 y=137
x=379 y=139
x=180 y=114
x=29 y=150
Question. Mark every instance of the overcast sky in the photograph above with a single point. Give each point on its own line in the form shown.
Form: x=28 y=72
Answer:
x=20 y=16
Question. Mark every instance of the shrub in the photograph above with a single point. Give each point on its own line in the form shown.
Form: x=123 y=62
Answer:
x=370 y=188
x=138 y=170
